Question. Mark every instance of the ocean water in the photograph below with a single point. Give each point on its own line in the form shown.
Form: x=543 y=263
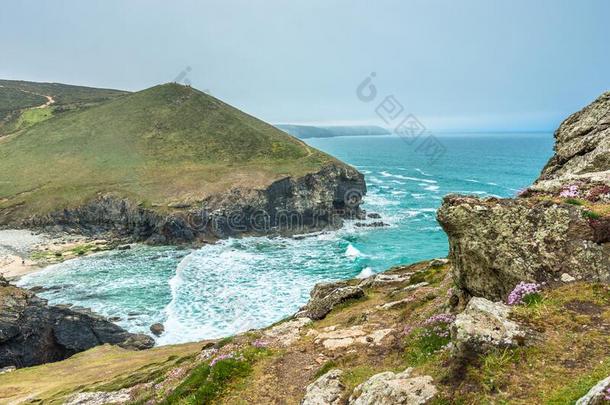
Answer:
x=239 y=284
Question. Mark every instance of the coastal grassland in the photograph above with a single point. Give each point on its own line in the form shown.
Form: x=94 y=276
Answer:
x=62 y=93
x=165 y=144
x=570 y=354
x=91 y=370
x=19 y=101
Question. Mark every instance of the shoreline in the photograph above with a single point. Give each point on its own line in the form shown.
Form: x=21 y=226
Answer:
x=24 y=251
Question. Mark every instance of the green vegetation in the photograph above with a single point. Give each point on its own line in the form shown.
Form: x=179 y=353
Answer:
x=164 y=144
x=326 y=367
x=574 y=201
x=64 y=94
x=13 y=99
x=103 y=368
x=19 y=102
x=591 y=214
x=207 y=381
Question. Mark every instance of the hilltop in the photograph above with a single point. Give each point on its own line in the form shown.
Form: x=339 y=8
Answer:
x=131 y=161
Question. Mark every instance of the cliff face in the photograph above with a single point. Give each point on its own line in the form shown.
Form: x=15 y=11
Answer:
x=496 y=243
x=582 y=148
x=291 y=205
x=558 y=230
x=31 y=332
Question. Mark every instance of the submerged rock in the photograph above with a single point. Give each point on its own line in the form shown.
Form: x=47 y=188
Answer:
x=157 y=329
x=326 y=390
x=325 y=296
x=32 y=332
x=394 y=389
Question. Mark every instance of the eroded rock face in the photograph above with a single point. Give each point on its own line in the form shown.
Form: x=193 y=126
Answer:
x=394 y=389
x=485 y=325
x=582 y=148
x=496 y=243
x=326 y=390
x=32 y=333
x=325 y=296
x=288 y=206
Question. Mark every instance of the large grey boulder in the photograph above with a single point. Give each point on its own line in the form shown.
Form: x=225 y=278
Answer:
x=32 y=332
x=325 y=296
x=326 y=390
x=597 y=394
x=394 y=389
x=484 y=325
x=496 y=243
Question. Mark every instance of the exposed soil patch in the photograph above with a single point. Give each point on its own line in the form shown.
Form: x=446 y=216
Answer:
x=584 y=307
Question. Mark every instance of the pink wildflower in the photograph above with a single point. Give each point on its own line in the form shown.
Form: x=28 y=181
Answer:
x=521 y=291
x=570 y=191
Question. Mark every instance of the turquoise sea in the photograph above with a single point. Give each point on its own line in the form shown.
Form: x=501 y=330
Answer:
x=240 y=284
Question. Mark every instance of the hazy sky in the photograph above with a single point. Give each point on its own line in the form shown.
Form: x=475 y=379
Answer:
x=454 y=64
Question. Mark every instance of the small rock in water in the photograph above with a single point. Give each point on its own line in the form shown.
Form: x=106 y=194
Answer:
x=124 y=247
x=157 y=329
x=374 y=215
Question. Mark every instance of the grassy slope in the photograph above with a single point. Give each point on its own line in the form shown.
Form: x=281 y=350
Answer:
x=103 y=363
x=18 y=100
x=62 y=93
x=159 y=145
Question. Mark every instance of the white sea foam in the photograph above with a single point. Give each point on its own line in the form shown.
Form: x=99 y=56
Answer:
x=352 y=252
x=430 y=187
x=420 y=171
x=365 y=273
x=401 y=177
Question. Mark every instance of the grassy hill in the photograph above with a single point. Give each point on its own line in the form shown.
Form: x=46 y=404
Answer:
x=19 y=99
x=165 y=144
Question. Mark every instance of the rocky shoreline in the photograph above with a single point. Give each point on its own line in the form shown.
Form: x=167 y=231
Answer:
x=33 y=332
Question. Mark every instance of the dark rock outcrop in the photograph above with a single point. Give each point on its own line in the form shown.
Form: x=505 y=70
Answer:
x=325 y=296
x=313 y=202
x=32 y=332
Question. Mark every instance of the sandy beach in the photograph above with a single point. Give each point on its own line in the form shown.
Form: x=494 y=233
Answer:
x=17 y=247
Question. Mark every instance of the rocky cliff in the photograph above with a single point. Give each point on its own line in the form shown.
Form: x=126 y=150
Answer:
x=558 y=229
x=32 y=332
x=312 y=202
x=582 y=149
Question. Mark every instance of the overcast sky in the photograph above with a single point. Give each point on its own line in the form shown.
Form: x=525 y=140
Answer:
x=454 y=64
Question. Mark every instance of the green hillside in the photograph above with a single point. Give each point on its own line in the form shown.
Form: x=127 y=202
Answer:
x=19 y=99
x=165 y=144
